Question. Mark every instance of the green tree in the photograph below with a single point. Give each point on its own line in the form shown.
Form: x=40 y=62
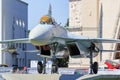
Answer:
x=67 y=24
x=28 y=31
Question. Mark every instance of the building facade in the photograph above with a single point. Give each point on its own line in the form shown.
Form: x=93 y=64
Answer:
x=95 y=18
x=14 y=25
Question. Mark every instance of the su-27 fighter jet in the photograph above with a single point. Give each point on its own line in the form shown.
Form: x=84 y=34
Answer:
x=50 y=38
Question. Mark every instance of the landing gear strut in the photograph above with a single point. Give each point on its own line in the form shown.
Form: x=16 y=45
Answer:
x=54 y=65
x=91 y=61
x=93 y=67
x=44 y=69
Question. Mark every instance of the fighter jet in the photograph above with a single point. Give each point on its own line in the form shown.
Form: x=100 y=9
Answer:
x=50 y=38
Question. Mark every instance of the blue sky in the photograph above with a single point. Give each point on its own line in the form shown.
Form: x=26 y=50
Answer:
x=38 y=8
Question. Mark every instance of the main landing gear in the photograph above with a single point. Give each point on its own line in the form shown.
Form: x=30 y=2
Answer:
x=93 y=66
x=54 y=47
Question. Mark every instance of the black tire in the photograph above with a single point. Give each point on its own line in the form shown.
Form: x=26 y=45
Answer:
x=40 y=67
x=95 y=67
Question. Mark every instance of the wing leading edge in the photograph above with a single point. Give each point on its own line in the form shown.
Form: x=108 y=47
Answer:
x=86 y=39
x=23 y=40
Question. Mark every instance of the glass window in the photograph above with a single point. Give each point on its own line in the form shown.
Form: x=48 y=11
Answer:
x=23 y=24
x=20 y=22
x=20 y=45
x=43 y=22
x=16 y=21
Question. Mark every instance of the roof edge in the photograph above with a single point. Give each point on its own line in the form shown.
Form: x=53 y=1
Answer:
x=22 y=2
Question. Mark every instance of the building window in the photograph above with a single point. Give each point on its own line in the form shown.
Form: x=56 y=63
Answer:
x=23 y=46
x=16 y=45
x=23 y=24
x=76 y=18
x=75 y=5
x=71 y=6
x=20 y=22
x=16 y=21
x=20 y=45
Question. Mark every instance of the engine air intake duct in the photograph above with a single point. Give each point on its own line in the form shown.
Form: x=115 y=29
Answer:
x=73 y=50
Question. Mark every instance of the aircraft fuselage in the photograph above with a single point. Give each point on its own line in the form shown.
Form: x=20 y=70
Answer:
x=42 y=34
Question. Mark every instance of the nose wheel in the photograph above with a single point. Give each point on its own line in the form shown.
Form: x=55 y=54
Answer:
x=40 y=67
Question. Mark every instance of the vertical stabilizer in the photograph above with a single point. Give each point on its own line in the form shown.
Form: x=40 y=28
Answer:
x=50 y=10
x=100 y=23
x=100 y=31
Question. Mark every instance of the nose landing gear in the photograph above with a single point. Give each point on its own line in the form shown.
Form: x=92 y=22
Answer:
x=40 y=67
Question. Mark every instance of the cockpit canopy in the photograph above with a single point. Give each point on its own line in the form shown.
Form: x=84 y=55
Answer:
x=47 y=20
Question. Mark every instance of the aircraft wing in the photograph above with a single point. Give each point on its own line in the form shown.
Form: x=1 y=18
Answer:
x=110 y=50
x=23 y=40
x=86 y=39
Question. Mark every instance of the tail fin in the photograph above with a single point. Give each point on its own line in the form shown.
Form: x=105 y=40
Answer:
x=100 y=31
x=100 y=23
x=50 y=10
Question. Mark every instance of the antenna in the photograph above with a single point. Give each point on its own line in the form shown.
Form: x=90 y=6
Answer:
x=50 y=10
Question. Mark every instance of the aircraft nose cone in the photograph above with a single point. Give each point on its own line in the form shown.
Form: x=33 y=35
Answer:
x=34 y=33
x=39 y=35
